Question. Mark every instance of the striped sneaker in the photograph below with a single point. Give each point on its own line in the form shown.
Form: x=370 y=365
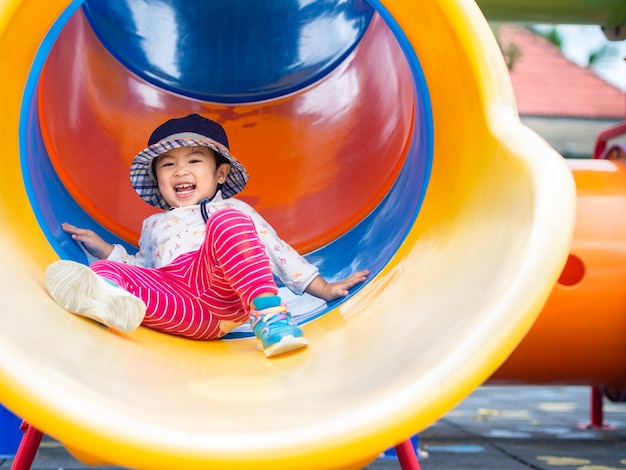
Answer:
x=276 y=331
x=79 y=290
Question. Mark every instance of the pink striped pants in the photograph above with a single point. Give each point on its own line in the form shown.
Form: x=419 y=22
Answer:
x=202 y=294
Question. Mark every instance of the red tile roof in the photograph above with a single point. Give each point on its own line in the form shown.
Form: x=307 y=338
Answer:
x=546 y=83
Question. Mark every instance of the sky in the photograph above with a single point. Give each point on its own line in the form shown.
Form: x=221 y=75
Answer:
x=580 y=41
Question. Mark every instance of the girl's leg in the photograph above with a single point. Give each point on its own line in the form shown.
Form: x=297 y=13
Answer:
x=234 y=259
x=78 y=289
x=173 y=305
x=202 y=295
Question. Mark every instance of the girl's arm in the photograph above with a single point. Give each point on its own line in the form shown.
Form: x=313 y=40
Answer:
x=293 y=269
x=97 y=247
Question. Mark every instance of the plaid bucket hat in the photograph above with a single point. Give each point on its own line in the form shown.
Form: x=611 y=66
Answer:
x=189 y=131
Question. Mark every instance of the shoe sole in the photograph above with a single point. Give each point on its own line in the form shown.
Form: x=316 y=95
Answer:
x=81 y=291
x=286 y=344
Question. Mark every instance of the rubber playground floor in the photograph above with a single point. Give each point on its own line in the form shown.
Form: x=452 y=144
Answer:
x=499 y=428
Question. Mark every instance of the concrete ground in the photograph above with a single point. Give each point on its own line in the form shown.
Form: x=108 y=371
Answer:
x=499 y=428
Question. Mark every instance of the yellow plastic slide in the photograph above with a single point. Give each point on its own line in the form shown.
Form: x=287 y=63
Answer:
x=456 y=297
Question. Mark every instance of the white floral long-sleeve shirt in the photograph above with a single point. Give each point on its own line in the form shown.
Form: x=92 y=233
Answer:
x=167 y=235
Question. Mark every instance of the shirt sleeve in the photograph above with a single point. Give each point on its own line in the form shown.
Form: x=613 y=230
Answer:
x=141 y=258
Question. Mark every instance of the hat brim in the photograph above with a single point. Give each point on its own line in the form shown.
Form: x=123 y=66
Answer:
x=144 y=182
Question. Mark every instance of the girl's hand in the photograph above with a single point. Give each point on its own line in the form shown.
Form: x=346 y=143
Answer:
x=334 y=290
x=92 y=242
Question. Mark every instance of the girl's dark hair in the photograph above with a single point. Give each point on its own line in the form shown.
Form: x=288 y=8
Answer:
x=219 y=158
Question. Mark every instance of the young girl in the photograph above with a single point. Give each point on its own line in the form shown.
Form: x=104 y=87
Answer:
x=205 y=265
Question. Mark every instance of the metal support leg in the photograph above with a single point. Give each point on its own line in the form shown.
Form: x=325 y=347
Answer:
x=407 y=456
x=597 y=408
x=597 y=411
x=27 y=449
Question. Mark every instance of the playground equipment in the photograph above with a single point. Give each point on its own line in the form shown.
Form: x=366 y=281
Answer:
x=586 y=303
x=396 y=147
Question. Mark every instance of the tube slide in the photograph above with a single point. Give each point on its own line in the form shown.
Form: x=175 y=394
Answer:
x=378 y=135
x=579 y=337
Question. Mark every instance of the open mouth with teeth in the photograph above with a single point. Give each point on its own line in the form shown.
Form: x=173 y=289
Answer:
x=184 y=189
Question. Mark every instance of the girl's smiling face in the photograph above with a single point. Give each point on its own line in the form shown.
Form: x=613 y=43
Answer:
x=187 y=175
